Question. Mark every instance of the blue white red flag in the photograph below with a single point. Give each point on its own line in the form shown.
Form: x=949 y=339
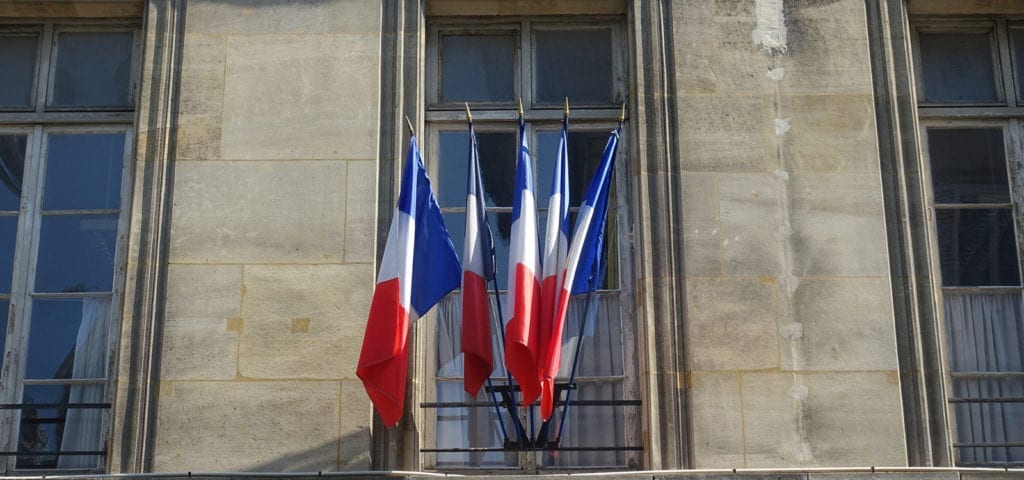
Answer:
x=556 y=247
x=477 y=270
x=522 y=333
x=418 y=268
x=583 y=264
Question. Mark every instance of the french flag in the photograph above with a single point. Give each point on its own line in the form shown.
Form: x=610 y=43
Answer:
x=556 y=245
x=477 y=270
x=522 y=332
x=583 y=263
x=418 y=268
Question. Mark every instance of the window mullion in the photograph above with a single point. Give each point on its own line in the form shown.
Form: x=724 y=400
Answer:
x=1003 y=56
x=525 y=59
x=43 y=69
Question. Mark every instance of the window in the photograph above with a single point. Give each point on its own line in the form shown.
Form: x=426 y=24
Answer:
x=491 y=65
x=66 y=102
x=969 y=92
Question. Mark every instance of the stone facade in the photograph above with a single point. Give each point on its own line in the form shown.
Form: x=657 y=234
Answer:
x=767 y=331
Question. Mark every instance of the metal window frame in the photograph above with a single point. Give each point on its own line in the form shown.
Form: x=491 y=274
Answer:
x=38 y=123
x=503 y=117
x=1008 y=116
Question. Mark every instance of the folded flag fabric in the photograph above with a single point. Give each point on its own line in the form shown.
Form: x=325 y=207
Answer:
x=556 y=245
x=583 y=263
x=477 y=270
x=522 y=333
x=418 y=268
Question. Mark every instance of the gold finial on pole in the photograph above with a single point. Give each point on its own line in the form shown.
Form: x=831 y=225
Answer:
x=622 y=115
x=566 y=113
x=469 y=116
x=520 y=107
x=412 y=131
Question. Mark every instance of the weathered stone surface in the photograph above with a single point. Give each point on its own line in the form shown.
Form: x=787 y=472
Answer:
x=284 y=426
x=361 y=212
x=301 y=97
x=335 y=299
x=822 y=419
x=992 y=476
x=838 y=225
x=198 y=349
x=259 y=16
x=829 y=134
x=202 y=74
x=717 y=420
x=840 y=324
x=827 y=48
x=197 y=137
x=356 y=418
x=886 y=476
x=721 y=134
x=732 y=324
x=203 y=291
x=752 y=225
x=702 y=230
x=258 y=212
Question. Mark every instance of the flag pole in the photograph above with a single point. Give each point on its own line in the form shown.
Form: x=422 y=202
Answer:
x=490 y=386
x=522 y=126
x=412 y=131
x=586 y=315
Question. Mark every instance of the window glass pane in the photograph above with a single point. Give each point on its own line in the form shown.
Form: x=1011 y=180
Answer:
x=585 y=150
x=68 y=338
x=54 y=429
x=12 y=164
x=76 y=253
x=1017 y=37
x=477 y=68
x=958 y=68
x=18 y=57
x=968 y=165
x=92 y=69
x=497 y=167
x=575 y=64
x=83 y=172
x=986 y=334
x=501 y=229
x=977 y=247
x=464 y=427
x=8 y=234
x=593 y=426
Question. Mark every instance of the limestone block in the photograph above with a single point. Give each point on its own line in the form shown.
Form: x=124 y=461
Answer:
x=829 y=134
x=752 y=224
x=694 y=47
x=823 y=419
x=301 y=97
x=717 y=421
x=827 y=48
x=838 y=225
x=258 y=212
x=356 y=418
x=198 y=349
x=741 y=65
x=202 y=74
x=361 y=212
x=843 y=324
x=732 y=324
x=197 y=137
x=260 y=16
x=334 y=298
x=722 y=134
x=203 y=291
x=702 y=230
x=225 y=426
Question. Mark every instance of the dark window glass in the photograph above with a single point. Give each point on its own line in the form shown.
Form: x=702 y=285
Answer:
x=1017 y=37
x=83 y=172
x=12 y=164
x=958 y=68
x=497 y=167
x=52 y=427
x=585 y=150
x=994 y=423
x=977 y=247
x=18 y=57
x=8 y=234
x=93 y=69
x=76 y=253
x=68 y=338
x=4 y=305
x=575 y=64
x=968 y=165
x=477 y=68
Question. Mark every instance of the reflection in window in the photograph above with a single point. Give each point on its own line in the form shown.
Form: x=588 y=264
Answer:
x=958 y=68
x=477 y=68
x=93 y=69
x=18 y=57
x=574 y=63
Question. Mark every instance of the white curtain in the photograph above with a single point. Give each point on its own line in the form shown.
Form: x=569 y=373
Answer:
x=594 y=426
x=986 y=334
x=82 y=427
